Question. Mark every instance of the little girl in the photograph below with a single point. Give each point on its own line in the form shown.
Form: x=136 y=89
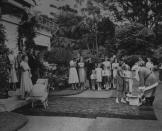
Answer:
x=93 y=79
x=98 y=76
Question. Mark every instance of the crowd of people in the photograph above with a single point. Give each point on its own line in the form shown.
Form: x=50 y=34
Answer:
x=112 y=73
x=24 y=71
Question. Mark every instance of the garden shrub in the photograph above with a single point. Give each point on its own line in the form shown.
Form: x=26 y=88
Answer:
x=58 y=55
x=131 y=60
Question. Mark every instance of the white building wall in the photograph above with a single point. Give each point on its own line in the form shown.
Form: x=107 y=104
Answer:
x=11 y=25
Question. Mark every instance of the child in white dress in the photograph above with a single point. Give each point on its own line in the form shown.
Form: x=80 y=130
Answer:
x=98 y=76
x=93 y=79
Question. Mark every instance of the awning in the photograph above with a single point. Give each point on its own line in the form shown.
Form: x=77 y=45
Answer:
x=42 y=40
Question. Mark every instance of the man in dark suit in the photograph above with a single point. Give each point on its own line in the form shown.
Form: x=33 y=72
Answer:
x=90 y=66
x=33 y=65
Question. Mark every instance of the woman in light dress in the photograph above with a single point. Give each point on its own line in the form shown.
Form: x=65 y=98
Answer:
x=93 y=79
x=120 y=85
x=73 y=75
x=98 y=76
x=26 y=83
x=115 y=66
x=13 y=76
x=107 y=73
x=82 y=74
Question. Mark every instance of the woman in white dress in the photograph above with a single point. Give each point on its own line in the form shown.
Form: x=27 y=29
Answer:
x=98 y=76
x=82 y=74
x=73 y=75
x=115 y=66
x=107 y=74
x=13 y=76
x=26 y=83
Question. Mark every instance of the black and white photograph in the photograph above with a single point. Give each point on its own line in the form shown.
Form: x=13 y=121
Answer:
x=80 y=65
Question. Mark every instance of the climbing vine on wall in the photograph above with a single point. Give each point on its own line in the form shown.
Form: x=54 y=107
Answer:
x=26 y=31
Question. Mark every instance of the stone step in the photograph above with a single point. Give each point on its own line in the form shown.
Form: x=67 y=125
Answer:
x=11 y=104
x=14 y=93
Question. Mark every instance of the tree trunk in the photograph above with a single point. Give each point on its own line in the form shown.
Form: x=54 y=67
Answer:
x=96 y=44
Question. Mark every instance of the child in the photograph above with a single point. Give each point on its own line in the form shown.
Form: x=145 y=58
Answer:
x=106 y=74
x=121 y=88
x=128 y=80
x=98 y=76
x=93 y=79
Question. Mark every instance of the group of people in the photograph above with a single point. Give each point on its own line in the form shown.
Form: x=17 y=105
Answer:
x=23 y=72
x=102 y=75
x=113 y=74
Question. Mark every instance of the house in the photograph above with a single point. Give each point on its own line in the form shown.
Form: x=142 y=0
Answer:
x=11 y=12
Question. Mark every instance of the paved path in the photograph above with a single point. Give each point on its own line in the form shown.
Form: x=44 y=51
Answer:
x=84 y=124
x=11 y=104
x=95 y=94
x=98 y=124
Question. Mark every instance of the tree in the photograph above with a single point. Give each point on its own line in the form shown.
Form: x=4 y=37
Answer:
x=105 y=30
x=146 y=12
x=67 y=24
x=135 y=39
x=4 y=63
x=59 y=55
